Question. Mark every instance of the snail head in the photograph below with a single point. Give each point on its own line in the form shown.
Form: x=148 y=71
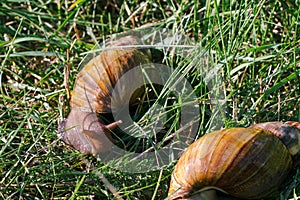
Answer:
x=84 y=131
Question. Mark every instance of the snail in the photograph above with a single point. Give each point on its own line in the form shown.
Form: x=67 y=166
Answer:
x=83 y=129
x=246 y=163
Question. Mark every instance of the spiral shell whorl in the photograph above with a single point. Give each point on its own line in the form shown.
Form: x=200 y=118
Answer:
x=287 y=132
x=95 y=82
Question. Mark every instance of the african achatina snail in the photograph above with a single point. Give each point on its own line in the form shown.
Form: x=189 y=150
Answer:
x=92 y=94
x=247 y=163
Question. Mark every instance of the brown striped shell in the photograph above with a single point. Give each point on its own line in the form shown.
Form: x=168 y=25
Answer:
x=95 y=82
x=247 y=163
x=82 y=129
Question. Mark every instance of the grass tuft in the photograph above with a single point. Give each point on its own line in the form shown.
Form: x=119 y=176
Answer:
x=253 y=46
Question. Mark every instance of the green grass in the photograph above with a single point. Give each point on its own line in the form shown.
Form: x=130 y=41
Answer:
x=255 y=45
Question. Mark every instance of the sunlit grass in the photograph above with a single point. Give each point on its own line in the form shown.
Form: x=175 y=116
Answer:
x=252 y=46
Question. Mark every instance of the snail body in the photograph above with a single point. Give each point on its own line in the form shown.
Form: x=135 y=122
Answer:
x=247 y=163
x=91 y=95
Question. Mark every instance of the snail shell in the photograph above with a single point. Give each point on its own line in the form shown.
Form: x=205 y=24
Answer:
x=247 y=163
x=94 y=84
